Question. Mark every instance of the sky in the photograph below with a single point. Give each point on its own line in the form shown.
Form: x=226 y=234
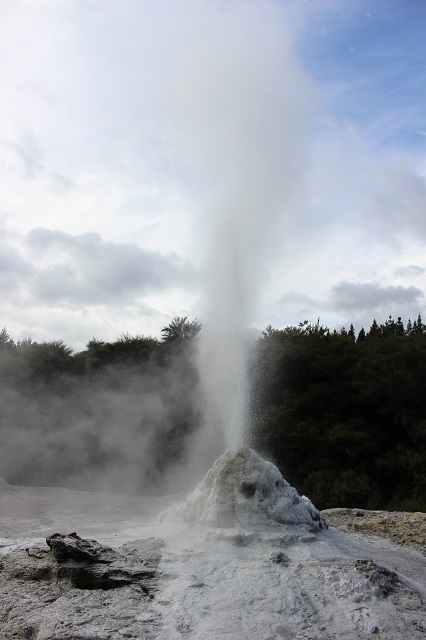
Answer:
x=147 y=145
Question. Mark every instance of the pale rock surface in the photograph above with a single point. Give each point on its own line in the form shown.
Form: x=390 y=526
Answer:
x=78 y=589
x=246 y=491
x=235 y=566
x=402 y=527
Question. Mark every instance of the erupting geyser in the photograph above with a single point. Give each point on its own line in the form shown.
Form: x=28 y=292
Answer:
x=246 y=490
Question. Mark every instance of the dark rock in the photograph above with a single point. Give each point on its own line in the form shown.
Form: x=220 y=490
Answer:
x=385 y=580
x=71 y=547
x=99 y=576
x=279 y=557
x=90 y=565
x=78 y=584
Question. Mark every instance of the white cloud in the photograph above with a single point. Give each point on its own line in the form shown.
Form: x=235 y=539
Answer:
x=128 y=130
x=371 y=296
x=412 y=270
x=28 y=154
x=84 y=269
x=398 y=199
x=54 y=284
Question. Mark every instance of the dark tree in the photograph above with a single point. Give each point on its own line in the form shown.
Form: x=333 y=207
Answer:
x=180 y=329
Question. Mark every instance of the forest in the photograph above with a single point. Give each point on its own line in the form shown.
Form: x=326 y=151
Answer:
x=343 y=415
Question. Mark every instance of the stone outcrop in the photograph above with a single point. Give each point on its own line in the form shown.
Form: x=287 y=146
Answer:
x=78 y=584
x=244 y=489
x=90 y=565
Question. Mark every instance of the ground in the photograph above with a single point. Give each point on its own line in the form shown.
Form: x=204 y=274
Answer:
x=340 y=583
x=402 y=527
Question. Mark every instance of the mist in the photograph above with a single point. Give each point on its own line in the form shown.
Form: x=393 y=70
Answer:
x=247 y=107
x=233 y=104
x=121 y=427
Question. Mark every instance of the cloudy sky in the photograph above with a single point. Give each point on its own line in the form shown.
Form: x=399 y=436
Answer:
x=149 y=146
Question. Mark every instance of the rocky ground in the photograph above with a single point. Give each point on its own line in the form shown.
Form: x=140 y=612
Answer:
x=78 y=590
x=363 y=577
x=402 y=527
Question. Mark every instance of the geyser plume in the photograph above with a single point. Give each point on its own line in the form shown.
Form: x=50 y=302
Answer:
x=247 y=104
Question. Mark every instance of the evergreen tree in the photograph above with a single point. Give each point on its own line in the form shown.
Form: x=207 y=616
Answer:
x=374 y=330
x=6 y=342
x=418 y=326
x=399 y=327
x=361 y=335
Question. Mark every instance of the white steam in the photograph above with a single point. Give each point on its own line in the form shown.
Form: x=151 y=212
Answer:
x=246 y=105
x=197 y=95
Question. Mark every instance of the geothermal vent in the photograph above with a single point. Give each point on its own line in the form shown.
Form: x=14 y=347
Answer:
x=244 y=489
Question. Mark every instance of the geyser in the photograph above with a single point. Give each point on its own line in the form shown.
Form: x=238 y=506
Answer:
x=244 y=490
x=246 y=107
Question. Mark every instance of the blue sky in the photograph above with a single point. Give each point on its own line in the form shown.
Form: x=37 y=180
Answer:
x=370 y=57
x=152 y=152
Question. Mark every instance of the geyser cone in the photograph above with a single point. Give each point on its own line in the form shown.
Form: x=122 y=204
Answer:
x=244 y=489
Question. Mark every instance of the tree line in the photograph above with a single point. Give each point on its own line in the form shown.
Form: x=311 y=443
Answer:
x=342 y=414
x=115 y=416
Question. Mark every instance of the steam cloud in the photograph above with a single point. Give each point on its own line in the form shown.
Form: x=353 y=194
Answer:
x=247 y=106
x=111 y=429
x=238 y=108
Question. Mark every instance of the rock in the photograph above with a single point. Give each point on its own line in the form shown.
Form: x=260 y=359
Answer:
x=402 y=527
x=279 y=557
x=76 y=585
x=148 y=550
x=90 y=565
x=244 y=489
x=71 y=547
x=385 y=580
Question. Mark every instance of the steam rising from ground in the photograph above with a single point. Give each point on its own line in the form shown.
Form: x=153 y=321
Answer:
x=116 y=430
x=246 y=104
x=238 y=110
